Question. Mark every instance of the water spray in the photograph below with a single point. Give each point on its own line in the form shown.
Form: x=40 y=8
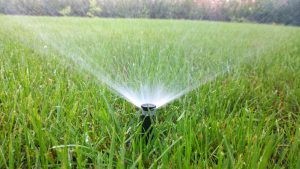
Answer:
x=147 y=118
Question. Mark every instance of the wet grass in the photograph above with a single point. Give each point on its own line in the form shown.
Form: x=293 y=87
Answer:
x=53 y=115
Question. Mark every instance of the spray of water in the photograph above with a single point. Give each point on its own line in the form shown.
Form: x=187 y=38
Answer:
x=144 y=61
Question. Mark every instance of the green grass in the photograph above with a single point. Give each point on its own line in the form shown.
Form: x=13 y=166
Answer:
x=53 y=114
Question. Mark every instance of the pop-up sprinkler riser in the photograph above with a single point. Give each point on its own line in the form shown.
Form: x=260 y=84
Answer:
x=147 y=117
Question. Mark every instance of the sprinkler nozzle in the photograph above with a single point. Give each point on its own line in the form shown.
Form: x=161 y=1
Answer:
x=148 y=109
x=147 y=117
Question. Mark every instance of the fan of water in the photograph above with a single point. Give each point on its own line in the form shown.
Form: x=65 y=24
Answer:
x=144 y=61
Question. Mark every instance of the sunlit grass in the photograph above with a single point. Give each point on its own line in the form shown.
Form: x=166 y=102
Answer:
x=53 y=114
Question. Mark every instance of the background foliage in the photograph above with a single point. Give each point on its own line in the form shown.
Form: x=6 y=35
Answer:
x=263 y=11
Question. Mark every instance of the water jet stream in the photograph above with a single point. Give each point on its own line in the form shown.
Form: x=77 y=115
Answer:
x=143 y=64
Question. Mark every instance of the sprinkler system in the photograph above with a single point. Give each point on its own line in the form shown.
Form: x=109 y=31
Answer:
x=147 y=117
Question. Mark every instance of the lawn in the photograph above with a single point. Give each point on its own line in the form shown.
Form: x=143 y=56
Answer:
x=70 y=88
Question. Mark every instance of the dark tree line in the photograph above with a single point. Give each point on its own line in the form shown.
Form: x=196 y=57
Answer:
x=264 y=11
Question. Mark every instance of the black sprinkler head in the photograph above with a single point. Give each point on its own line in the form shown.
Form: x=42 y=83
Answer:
x=148 y=109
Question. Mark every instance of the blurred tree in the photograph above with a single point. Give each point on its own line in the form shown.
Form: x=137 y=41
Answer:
x=94 y=9
x=183 y=9
x=293 y=7
x=65 y=11
x=79 y=7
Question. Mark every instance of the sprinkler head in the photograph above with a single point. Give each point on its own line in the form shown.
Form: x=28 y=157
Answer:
x=148 y=109
x=147 y=117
